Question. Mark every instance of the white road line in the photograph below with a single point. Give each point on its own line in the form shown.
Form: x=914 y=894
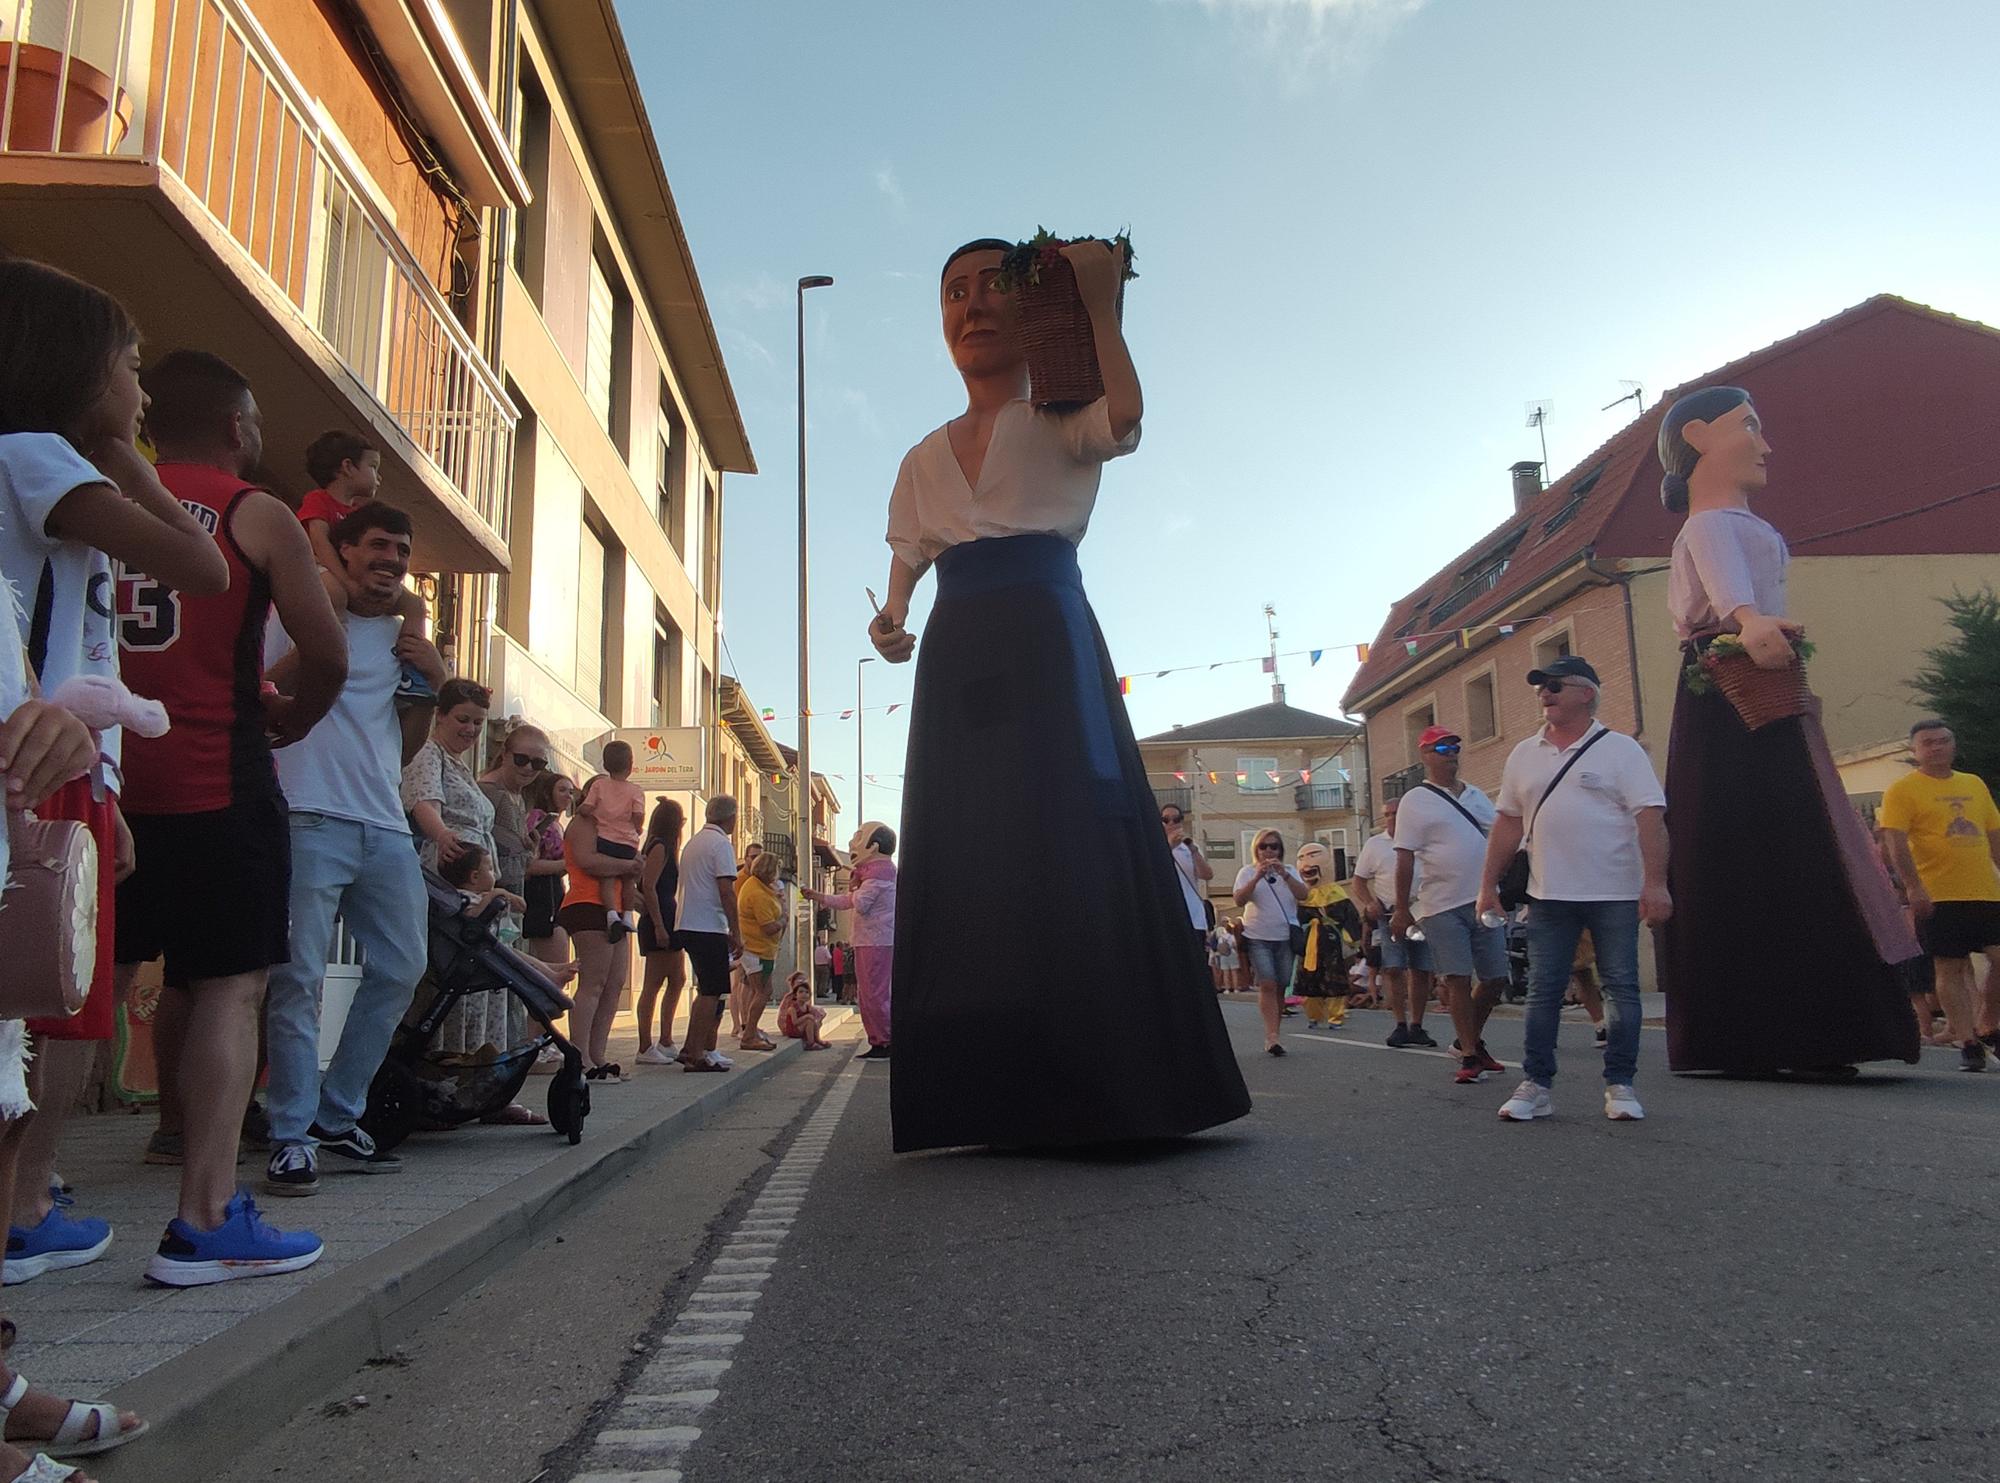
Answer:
x=1404 y=1050
x=649 y=1433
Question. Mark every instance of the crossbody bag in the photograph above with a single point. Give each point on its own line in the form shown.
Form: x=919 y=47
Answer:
x=1514 y=880
x=1297 y=931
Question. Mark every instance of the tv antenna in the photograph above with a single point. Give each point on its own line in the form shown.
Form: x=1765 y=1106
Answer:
x=1634 y=393
x=1538 y=419
x=1271 y=663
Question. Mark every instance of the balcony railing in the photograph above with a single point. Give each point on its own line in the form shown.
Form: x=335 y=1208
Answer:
x=1396 y=784
x=1307 y=797
x=197 y=87
x=1174 y=797
x=785 y=849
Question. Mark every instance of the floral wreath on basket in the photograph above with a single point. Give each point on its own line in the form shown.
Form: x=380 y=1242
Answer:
x=1023 y=264
x=1699 y=672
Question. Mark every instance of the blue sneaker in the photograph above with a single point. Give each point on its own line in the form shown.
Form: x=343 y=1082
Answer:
x=56 y=1243
x=242 y=1246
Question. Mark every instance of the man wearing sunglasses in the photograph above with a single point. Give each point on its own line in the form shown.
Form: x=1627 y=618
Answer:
x=1442 y=826
x=1590 y=807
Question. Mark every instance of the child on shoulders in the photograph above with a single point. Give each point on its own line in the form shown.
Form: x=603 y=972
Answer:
x=348 y=472
x=617 y=806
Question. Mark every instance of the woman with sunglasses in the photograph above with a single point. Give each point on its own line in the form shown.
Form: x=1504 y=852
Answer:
x=1269 y=891
x=522 y=757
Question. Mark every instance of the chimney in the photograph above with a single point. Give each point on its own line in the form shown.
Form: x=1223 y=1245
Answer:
x=1527 y=483
x=1277 y=692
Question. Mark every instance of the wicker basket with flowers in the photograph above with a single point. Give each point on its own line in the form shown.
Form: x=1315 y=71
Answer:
x=1051 y=324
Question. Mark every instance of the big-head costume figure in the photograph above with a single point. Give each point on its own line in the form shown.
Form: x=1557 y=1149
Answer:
x=1782 y=950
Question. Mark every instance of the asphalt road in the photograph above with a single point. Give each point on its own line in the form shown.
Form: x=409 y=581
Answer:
x=1370 y=1278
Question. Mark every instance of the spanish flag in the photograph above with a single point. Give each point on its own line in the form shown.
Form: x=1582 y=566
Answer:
x=1124 y=684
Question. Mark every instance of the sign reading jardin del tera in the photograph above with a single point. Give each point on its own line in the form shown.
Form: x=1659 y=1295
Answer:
x=664 y=758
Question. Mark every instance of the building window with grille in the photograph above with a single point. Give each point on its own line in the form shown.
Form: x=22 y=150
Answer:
x=670 y=474
x=599 y=584
x=607 y=358
x=1549 y=650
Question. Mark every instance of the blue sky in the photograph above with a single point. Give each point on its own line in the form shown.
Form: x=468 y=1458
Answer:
x=1369 y=231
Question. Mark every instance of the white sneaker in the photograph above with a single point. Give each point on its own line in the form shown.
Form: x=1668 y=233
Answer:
x=656 y=1055
x=717 y=1058
x=1621 y=1105
x=1530 y=1101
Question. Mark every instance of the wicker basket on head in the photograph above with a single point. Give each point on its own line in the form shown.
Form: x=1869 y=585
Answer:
x=1053 y=329
x=1760 y=696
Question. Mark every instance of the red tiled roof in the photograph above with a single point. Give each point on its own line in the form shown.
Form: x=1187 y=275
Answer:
x=1886 y=441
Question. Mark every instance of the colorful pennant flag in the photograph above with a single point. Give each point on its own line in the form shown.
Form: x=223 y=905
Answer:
x=1465 y=638
x=1505 y=629
x=847 y=715
x=1180 y=777
x=1305 y=774
x=1270 y=665
x=769 y=714
x=1273 y=776
x=1410 y=647
x=1242 y=778
x=1163 y=674
x=1361 y=652
x=1315 y=655
x=1124 y=684
x=896 y=707
x=1211 y=777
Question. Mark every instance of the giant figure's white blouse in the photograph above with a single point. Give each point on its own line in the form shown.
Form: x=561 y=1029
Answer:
x=1722 y=560
x=1040 y=477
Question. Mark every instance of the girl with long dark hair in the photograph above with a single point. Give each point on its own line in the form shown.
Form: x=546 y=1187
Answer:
x=1014 y=689
x=1782 y=949
x=665 y=963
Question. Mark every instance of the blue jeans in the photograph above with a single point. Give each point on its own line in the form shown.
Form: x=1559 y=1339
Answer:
x=1553 y=930
x=370 y=876
x=1271 y=962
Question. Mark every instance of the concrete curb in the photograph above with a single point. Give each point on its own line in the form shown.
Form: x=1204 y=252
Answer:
x=224 y=1394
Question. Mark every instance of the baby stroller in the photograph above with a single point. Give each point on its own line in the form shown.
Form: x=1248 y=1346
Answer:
x=420 y=1087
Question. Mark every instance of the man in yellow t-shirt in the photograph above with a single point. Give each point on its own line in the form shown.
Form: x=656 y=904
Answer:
x=1943 y=832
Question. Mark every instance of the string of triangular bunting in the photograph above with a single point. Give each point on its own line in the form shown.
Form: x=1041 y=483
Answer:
x=1410 y=643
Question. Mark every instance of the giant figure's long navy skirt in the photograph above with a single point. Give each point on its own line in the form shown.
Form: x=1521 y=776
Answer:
x=1783 y=949
x=1048 y=989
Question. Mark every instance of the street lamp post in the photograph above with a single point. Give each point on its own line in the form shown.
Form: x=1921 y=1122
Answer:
x=803 y=812
x=860 y=718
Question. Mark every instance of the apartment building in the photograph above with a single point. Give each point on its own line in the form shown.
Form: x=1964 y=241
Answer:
x=1272 y=766
x=444 y=225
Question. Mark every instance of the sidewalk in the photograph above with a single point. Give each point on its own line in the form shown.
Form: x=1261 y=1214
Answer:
x=207 y=1366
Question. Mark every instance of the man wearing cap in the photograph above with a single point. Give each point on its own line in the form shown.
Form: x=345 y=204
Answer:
x=1442 y=826
x=1594 y=819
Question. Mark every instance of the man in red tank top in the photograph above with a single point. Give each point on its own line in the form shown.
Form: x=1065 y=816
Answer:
x=212 y=889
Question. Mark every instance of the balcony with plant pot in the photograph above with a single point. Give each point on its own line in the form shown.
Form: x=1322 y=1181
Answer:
x=166 y=151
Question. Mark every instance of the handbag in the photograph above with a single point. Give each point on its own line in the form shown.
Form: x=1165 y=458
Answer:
x=1513 y=883
x=1297 y=934
x=48 y=911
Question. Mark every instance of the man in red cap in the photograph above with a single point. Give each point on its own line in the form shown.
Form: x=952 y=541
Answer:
x=1443 y=824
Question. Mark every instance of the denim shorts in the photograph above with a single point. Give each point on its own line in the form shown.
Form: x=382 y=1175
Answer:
x=1395 y=954
x=1270 y=962
x=1461 y=948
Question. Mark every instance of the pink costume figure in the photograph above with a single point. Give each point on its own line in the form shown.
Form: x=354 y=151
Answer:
x=872 y=899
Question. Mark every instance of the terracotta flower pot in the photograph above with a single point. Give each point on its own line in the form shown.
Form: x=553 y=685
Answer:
x=38 y=85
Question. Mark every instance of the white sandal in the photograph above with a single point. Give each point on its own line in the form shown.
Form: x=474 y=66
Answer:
x=72 y=1438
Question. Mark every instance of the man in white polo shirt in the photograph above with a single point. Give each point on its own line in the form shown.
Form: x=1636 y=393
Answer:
x=707 y=928
x=1594 y=817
